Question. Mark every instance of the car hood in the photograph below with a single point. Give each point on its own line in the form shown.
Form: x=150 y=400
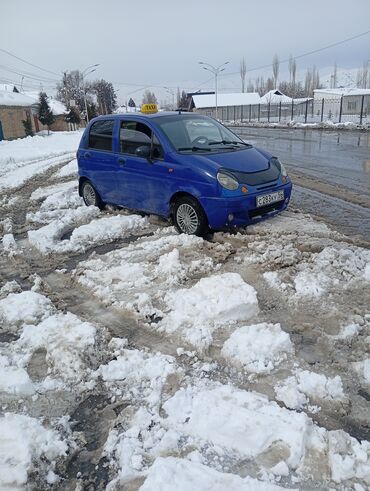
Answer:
x=247 y=160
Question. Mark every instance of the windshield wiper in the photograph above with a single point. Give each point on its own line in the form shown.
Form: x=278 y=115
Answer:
x=229 y=142
x=194 y=149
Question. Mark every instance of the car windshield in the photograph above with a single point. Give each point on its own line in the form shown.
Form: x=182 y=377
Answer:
x=199 y=134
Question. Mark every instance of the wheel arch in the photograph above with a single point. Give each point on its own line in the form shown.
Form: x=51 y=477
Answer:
x=178 y=195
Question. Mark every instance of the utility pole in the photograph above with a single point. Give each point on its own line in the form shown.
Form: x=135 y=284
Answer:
x=216 y=71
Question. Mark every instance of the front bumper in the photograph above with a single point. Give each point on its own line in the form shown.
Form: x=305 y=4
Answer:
x=227 y=212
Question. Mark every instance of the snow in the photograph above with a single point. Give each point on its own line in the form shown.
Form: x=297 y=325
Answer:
x=8 y=98
x=132 y=278
x=258 y=348
x=48 y=239
x=238 y=421
x=348 y=458
x=68 y=170
x=23 y=440
x=275 y=97
x=14 y=380
x=214 y=301
x=195 y=476
x=9 y=244
x=27 y=307
x=296 y=391
x=22 y=159
x=363 y=368
x=135 y=368
x=44 y=192
x=67 y=341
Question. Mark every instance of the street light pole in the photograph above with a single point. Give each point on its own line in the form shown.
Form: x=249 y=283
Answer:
x=216 y=71
x=84 y=74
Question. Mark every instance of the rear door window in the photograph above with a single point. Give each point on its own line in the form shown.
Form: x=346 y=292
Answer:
x=100 y=137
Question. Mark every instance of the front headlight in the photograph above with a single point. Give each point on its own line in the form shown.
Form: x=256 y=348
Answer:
x=227 y=181
x=280 y=166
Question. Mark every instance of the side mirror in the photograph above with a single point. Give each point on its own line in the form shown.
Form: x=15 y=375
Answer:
x=143 y=151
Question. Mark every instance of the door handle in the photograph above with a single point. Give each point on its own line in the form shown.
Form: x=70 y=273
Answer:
x=87 y=155
x=121 y=161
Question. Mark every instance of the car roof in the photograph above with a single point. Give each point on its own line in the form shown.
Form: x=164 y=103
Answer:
x=156 y=115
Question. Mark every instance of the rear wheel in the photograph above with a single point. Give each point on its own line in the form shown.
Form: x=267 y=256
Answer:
x=90 y=195
x=189 y=217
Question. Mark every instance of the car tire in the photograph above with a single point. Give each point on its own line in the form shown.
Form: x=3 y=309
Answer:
x=189 y=217
x=90 y=195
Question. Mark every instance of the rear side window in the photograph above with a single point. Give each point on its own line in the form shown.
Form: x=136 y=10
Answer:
x=100 y=137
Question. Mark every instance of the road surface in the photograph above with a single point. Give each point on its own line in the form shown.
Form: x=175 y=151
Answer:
x=330 y=170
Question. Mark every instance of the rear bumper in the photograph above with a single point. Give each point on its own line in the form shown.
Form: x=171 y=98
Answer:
x=241 y=211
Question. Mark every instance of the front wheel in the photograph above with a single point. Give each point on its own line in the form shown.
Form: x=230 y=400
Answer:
x=90 y=195
x=189 y=217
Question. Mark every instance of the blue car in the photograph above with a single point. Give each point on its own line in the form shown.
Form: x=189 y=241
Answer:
x=182 y=166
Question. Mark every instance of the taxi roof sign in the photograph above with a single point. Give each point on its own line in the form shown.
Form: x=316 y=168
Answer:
x=149 y=108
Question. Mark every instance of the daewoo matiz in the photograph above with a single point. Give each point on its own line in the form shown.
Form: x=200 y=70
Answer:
x=182 y=166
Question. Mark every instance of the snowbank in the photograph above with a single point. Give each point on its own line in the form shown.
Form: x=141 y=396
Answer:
x=258 y=348
x=27 y=307
x=296 y=391
x=214 y=301
x=24 y=445
x=195 y=476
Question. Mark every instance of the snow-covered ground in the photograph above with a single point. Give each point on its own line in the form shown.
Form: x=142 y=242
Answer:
x=132 y=357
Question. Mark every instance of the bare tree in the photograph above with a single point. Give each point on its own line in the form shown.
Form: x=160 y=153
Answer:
x=250 y=86
x=308 y=83
x=275 y=68
x=334 y=77
x=363 y=78
x=291 y=61
x=243 y=71
x=294 y=73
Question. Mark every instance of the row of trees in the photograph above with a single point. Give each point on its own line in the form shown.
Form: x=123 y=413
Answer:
x=293 y=87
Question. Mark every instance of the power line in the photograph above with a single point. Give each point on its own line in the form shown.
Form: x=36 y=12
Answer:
x=27 y=62
x=308 y=53
x=28 y=75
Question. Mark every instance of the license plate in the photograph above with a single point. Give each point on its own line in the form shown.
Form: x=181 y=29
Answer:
x=267 y=199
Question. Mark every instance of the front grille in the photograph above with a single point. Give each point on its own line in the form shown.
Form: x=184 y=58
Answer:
x=265 y=209
x=257 y=178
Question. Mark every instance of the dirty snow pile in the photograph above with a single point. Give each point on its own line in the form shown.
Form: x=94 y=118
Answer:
x=305 y=386
x=258 y=348
x=307 y=261
x=136 y=277
x=213 y=302
x=24 y=440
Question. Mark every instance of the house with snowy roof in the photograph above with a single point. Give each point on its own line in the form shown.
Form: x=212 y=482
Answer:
x=230 y=106
x=58 y=109
x=14 y=109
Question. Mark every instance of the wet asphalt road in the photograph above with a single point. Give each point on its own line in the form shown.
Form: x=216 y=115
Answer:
x=339 y=158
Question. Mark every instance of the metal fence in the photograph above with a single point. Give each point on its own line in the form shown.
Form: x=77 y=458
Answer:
x=354 y=109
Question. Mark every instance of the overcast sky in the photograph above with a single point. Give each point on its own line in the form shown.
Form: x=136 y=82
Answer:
x=160 y=42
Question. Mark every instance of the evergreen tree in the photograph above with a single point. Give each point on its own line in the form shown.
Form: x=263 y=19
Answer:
x=92 y=110
x=45 y=114
x=27 y=124
x=131 y=102
x=183 y=100
x=73 y=116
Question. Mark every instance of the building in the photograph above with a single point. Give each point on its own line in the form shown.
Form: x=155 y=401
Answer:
x=229 y=106
x=58 y=109
x=14 y=109
x=343 y=102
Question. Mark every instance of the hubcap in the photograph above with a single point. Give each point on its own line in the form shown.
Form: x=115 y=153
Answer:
x=89 y=195
x=187 y=218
